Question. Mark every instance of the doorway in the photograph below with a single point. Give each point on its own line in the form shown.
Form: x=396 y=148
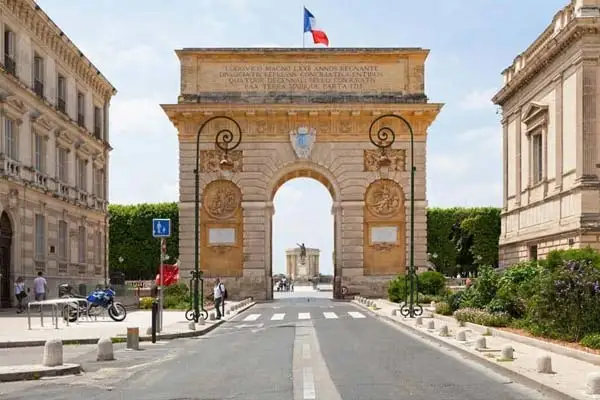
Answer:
x=6 y=233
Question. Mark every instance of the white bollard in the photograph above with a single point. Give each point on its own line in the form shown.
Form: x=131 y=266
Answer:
x=544 y=364
x=201 y=321
x=192 y=326
x=212 y=316
x=133 y=338
x=53 y=353
x=419 y=321
x=228 y=312
x=480 y=343
x=507 y=353
x=444 y=330
x=431 y=324
x=461 y=335
x=105 y=350
x=593 y=383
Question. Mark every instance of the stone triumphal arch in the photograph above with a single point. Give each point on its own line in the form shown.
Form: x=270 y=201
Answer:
x=265 y=116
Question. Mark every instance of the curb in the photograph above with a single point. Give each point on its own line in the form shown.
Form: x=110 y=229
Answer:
x=515 y=376
x=540 y=344
x=41 y=372
x=121 y=339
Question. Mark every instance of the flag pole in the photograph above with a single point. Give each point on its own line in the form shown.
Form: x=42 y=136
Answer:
x=303 y=33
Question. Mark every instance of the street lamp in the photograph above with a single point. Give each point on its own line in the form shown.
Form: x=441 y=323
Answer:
x=384 y=138
x=226 y=140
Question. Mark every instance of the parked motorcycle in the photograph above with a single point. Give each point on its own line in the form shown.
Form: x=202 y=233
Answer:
x=97 y=301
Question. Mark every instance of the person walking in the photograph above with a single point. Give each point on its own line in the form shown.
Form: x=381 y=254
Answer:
x=20 y=293
x=40 y=287
x=220 y=293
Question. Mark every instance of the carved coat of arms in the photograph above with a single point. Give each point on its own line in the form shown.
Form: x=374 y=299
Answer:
x=303 y=140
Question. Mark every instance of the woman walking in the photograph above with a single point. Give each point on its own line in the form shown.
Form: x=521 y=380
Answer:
x=20 y=293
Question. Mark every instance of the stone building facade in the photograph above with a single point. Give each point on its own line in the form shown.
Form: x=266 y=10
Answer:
x=299 y=270
x=53 y=155
x=302 y=113
x=551 y=142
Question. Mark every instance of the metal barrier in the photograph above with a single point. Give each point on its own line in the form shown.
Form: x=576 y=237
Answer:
x=55 y=303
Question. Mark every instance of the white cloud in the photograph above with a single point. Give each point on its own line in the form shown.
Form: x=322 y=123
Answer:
x=478 y=99
x=467 y=172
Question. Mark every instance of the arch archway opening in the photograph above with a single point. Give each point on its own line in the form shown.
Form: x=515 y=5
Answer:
x=6 y=242
x=303 y=236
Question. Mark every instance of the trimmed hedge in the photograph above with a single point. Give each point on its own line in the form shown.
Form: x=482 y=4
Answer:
x=130 y=237
x=480 y=225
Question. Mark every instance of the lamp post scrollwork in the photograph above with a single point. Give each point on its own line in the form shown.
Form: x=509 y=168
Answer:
x=383 y=137
x=227 y=140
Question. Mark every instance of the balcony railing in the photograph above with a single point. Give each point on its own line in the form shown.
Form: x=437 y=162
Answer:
x=10 y=65
x=81 y=120
x=62 y=105
x=40 y=179
x=12 y=168
x=38 y=88
x=40 y=265
x=83 y=197
x=63 y=189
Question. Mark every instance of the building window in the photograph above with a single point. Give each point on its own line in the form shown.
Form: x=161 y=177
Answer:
x=10 y=139
x=98 y=247
x=62 y=164
x=98 y=122
x=533 y=253
x=61 y=88
x=537 y=157
x=82 y=244
x=10 y=64
x=82 y=174
x=38 y=75
x=81 y=109
x=62 y=240
x=39 y=153
x=40 y=237
x=99 y=183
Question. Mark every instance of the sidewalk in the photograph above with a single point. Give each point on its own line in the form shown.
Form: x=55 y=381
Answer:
x=14 y=330
x=569 y=374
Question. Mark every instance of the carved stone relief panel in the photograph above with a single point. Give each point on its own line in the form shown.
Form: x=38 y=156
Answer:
x=222 y=199
x=210 y=160
x=397 y=156
x=384 y=198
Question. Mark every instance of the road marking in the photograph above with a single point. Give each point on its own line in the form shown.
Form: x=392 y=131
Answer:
x=277 y=316
x=330 y=315
x=252 y=317
x=308 y=384
x=356 y=314
x=304 y=315
x=306 y=351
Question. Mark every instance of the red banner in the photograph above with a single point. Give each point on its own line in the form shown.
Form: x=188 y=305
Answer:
x=170 y=275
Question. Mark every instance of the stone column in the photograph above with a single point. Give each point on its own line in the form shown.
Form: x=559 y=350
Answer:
x=505 y=164
x=518 y=149
x=586 y=113
x=352 y=238
x=336 y=211
x=558 y=134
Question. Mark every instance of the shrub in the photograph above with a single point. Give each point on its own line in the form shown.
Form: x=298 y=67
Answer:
x=566 y=303
x=427 y=298
x=443 y=308
x=515 y=286
x=177 y=296
x=454 y=299
x=432 y=283
x=146 y=303
x=591 y=340
x=482 y=317
x=398 y=289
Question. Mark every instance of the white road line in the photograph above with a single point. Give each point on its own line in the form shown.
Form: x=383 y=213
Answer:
x=277 y=316
x=356 y=314
x=306 y=351
x=304 y=315
x=330 y=315
x=308 y=384
x=252 y=317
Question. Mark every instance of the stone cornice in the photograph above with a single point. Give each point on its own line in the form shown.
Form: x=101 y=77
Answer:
x=303 y=98
x=302 y=53
x=47 y=32
x=574 y=31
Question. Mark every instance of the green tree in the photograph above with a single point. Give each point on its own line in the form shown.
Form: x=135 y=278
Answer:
x=130 y=238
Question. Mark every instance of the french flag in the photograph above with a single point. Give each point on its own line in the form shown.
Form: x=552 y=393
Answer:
x=310 y=25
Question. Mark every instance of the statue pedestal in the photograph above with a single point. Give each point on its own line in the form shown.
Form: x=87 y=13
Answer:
x=301 y=270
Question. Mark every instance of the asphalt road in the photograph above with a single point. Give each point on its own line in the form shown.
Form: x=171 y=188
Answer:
x=294 y=348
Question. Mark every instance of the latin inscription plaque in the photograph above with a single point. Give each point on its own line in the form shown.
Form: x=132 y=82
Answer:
x=384 y=234
x=221 y=236
x=301 y=77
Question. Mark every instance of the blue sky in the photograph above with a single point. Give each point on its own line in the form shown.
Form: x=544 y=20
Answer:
x=471 y=42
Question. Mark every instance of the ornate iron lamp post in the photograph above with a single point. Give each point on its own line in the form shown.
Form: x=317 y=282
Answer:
x=226 y=140
x=384 y=138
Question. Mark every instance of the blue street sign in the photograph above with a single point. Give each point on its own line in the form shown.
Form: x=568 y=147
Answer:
x=161 y=227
